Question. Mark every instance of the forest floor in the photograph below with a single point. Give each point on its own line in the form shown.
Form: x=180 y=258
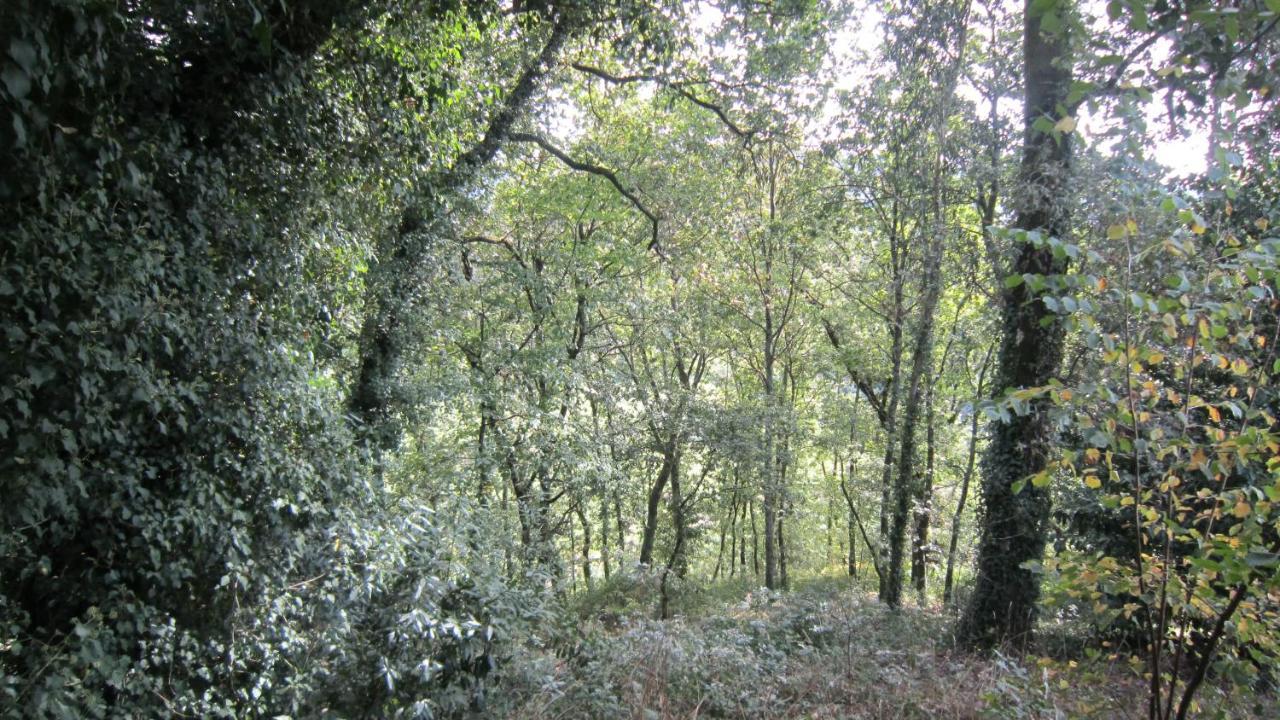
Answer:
x=827 y=649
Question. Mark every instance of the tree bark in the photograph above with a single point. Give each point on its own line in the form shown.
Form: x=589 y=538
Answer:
x=604 y=535
x=1003 y=606
x=586 y=547
x=651 y=509
x=921 y=361
x=924 y=505
x=372 y=399
x=755 y=542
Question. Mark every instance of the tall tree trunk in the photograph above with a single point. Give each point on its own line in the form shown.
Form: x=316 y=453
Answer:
x=770 y=481
x=890 y=423
x=1003 y=606
x=371 y=401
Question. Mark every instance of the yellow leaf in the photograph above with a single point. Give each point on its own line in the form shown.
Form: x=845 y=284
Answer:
x=1242 y=509
x=1213 y=413
x=1198 y=458
x=1132 y=226
x=1115 y=232
x=1240 y=367
x=1155 y=358
x=1261 y=223
x=1065 y=125
x=1092 y=482
x=1197 y=228
x=1092 y=455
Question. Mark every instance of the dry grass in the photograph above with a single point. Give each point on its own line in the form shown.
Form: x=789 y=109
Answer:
x=812 y=655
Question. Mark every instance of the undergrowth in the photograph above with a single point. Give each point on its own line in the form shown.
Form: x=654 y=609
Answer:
x=825 y=650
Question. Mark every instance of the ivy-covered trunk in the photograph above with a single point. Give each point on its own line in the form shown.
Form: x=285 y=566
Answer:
x=1003 y=605
x=904 y=488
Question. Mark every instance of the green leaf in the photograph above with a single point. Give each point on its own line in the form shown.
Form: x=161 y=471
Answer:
x=23 y=53
x=1261 y=559
x=1013 y=281
x=16 y=81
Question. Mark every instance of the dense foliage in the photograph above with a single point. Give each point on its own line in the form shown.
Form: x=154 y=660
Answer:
x=385 y=358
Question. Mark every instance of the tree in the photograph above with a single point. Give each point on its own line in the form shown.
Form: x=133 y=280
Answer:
x=1003 y=605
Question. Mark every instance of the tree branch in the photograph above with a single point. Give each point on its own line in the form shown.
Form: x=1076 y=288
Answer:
x=679 y=88
x=594 y=169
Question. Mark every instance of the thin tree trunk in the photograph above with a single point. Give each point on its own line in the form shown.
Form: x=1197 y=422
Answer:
x=922 y=360
x=604 y=535
x=726 y=528
x=853 y=547
x=733 y=529
x=622 y=526
x=924 y=505
x=782 y=555
x=651 y=509
x=678 y=562
x=573 y=576
x=586 y=548
x=755 y=542
x=831 y=541
x=947 y=587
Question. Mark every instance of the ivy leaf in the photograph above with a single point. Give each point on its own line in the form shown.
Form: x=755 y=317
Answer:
x=1261 y=559
x=17 y=82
